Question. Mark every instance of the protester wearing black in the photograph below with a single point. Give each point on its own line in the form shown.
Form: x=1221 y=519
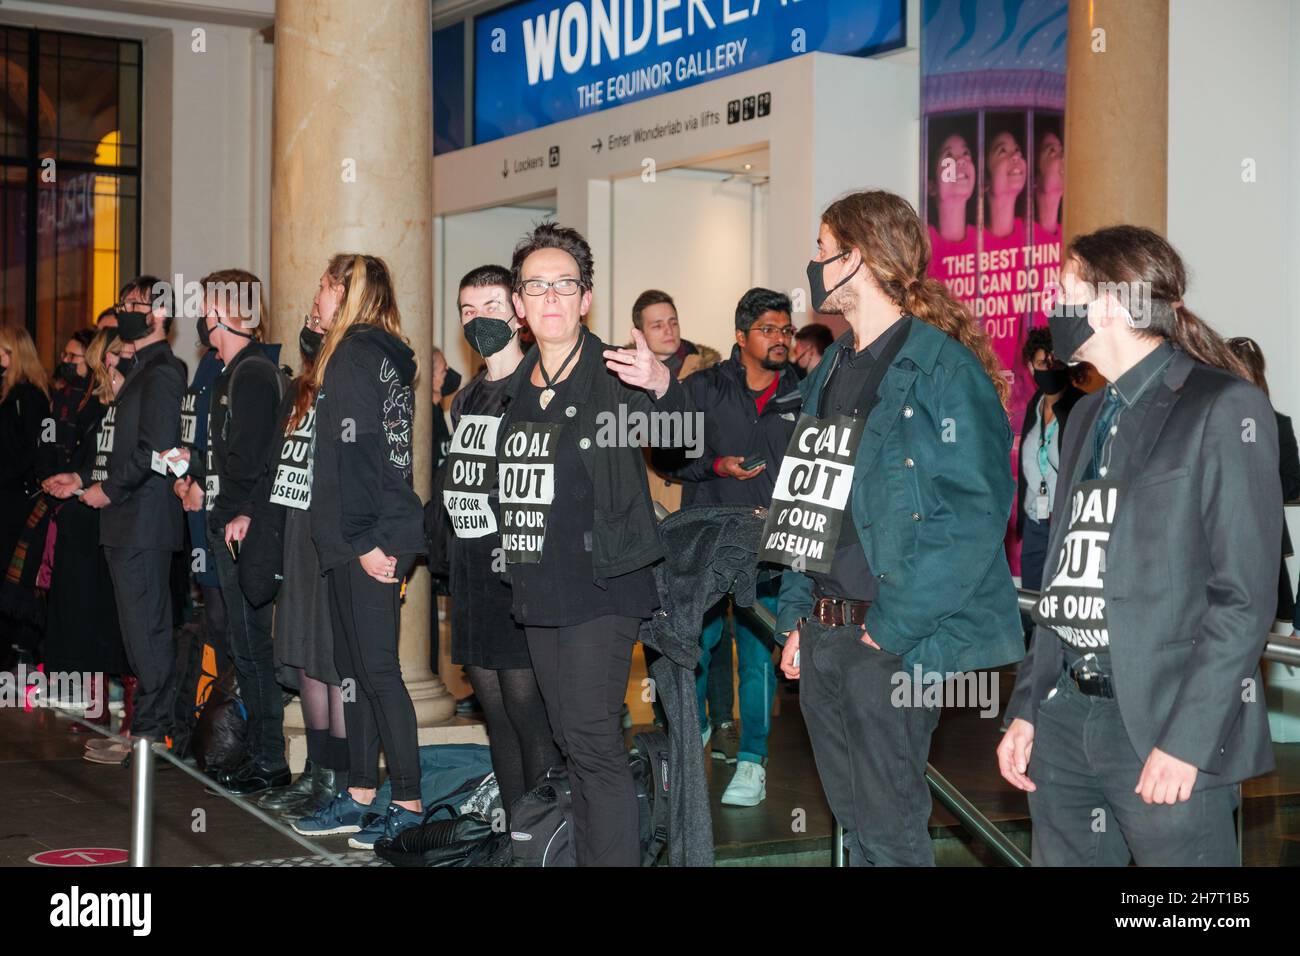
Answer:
x=579 y=560
x=367 y=524
x=82 y=631
x=890 y=512
x=304 y=633
x=141 y=524
x=24 y=512
x=195 y=408
x=1141 y=692
x=1251 y=356
x=485 y=639
x=241 y=431
x=1040 y=442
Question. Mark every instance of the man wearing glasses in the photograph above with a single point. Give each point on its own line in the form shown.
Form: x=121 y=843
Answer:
x=750 y=404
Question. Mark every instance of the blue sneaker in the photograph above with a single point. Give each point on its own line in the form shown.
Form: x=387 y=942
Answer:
x=340 y=815
x=389 y=825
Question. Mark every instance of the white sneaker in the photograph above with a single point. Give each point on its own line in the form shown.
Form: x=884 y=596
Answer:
x=748 y=787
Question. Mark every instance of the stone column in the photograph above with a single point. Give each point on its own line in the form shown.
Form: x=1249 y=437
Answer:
x=353 y=172
x=1116 y=115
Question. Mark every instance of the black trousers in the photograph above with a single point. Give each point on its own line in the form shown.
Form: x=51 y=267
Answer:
x=142 y=586
x=582 y=671
x=366 y=615
x=248 y=630
x=1085 y=811
x=870 y=754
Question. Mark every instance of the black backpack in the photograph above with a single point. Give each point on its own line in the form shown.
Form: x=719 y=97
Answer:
x=541 y=821
x=194 y=674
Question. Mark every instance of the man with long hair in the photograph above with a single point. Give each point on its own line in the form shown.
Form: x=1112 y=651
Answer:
x=1139 y=707
x=890 y=509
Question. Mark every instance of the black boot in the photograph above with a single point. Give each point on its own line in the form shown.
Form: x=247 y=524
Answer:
x=329 y=783
x=298 y=796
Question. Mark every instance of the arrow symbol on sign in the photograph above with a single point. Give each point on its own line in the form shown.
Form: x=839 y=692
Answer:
x=597 y=145
x=505 y=168
x=88 y=858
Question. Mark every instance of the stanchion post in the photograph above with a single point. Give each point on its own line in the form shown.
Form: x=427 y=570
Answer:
x=141 y=802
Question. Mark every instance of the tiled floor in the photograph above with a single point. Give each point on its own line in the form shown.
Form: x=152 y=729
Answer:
x=50 y=798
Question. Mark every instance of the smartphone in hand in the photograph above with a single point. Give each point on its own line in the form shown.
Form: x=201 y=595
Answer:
x=233 y=548
x=752 y=463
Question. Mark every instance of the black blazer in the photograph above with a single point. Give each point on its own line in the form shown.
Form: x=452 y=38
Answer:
x=1192 y=566
x=1062 y=411
x=143 y=513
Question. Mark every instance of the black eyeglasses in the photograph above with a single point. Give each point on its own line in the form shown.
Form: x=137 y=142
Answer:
x=541 y=286
x=785 y=331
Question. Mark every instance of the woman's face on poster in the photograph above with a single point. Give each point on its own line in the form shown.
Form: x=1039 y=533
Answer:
x=1051 y=163
x=954 y=170
x=1006 y=166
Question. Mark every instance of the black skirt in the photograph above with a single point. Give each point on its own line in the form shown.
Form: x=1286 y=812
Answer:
x=483 y=634
x=304 y=636
x=82 y=631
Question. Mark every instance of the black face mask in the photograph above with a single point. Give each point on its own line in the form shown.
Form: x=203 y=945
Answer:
x=450 y=382
x=1051 y=380
x=125 y=364
x=487 y=335
x=201 y=329
x=132 y=325
x=309 y=342
x=1070 y=329
x=817 y=282
x=68 y=372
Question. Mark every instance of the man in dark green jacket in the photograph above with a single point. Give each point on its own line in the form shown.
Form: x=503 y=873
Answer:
x=890 y=509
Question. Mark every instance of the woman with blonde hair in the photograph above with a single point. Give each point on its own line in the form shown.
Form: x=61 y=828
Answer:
x=24 y=407
x=367 y=524
x=82 y=633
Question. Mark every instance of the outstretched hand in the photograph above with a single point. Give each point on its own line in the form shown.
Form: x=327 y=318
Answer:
x=639 y=367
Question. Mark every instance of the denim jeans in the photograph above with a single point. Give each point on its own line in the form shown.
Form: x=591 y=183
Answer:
x=248 y=631
x=1085 y=811
x=756 y=669
x=870 y=753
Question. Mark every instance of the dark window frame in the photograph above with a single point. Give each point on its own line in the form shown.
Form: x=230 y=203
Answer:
x=31 y=159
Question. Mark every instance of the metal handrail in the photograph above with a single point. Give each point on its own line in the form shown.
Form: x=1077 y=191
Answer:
x=1279 y=649
x=953 y=800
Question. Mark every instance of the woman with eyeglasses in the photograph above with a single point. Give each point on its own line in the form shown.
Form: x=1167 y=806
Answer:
x=579 y=560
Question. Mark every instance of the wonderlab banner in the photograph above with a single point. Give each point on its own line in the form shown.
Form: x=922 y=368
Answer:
x=543 y=61
x=993 y=155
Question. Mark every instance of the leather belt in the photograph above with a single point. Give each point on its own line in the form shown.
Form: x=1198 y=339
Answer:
x=1092 y=683
x=837 y=612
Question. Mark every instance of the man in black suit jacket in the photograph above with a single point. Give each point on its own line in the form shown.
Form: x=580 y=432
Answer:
x=1139 y=706
x=141 y=525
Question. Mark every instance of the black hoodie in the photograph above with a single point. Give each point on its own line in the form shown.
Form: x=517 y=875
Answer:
x=361 y=481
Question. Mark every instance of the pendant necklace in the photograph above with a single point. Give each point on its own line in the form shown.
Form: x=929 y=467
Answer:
x=548 y=393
